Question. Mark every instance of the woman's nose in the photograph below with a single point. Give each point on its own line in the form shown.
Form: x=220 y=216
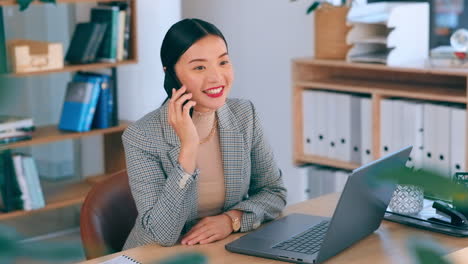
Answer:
x=214 y=75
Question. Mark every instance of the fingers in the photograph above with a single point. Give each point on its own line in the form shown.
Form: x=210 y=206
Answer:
x=210 y=239
x=202 y=236
x=177 y=109
x=193 y=234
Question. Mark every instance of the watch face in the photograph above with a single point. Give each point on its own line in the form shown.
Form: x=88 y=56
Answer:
x=236 y=225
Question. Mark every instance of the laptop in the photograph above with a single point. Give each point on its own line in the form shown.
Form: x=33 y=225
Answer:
x=304 y=238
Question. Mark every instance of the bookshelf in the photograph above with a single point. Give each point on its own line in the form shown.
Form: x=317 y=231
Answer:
x=72 y=192
x=377 y=81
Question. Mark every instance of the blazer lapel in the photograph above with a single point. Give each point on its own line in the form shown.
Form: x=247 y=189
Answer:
x=232 y=151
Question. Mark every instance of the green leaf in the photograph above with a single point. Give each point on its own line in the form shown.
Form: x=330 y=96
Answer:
x=49 y=1
x=51 y=251
x=190 y=257
x=23 y=4
x=312 y=7
x=425 y=251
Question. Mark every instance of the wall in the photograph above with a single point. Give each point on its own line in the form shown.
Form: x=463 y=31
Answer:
x=263 y=36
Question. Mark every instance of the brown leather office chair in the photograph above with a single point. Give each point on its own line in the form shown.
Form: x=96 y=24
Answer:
x=107 y=216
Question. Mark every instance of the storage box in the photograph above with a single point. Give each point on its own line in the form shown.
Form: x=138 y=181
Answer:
x=29 y=55
x=330 y=32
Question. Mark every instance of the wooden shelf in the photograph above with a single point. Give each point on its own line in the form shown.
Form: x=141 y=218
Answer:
x=419 y=69
x=74 y=68
x=326 y=162
x=37 y=2
x=389 y=89
x=50 y=133
x=60 y=194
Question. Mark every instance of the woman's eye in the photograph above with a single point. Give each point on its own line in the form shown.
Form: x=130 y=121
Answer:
x=199 y=68
x=224 y=62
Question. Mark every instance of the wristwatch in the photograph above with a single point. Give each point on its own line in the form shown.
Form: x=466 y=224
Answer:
x=235 y=222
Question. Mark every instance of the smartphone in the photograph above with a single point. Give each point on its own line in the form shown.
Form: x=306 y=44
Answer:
x=174 y=82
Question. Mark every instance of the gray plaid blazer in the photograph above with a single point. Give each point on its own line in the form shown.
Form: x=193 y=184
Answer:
x=167 y=201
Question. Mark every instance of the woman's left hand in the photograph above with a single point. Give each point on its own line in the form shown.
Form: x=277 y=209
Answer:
x=209 y=229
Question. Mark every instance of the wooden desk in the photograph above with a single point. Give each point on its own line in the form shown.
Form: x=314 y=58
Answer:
x=386 y=245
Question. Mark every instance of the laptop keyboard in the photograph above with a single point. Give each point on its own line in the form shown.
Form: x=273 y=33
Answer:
x=308 y=242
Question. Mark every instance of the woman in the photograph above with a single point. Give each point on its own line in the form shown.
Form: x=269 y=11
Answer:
x=199 y=177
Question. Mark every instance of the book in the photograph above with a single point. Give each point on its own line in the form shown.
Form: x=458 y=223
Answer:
x=9 y=188
x=11 y=123
x=109 y=15
x=23 y=184
x=85 y=42
x=91 y=107
x=103 y=117
x=32 y=178
x=3 y=47
x=79 y=104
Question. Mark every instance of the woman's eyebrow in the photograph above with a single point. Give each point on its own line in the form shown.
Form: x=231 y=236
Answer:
x=195 y=60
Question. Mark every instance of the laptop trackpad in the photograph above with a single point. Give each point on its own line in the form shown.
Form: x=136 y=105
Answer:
x=287 y=227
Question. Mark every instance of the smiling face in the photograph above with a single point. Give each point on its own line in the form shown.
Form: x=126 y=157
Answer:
x=205 y=69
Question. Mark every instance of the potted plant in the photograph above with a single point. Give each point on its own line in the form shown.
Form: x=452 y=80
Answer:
x=330 y=29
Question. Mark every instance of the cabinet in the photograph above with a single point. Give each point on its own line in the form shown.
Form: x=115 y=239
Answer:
x=377 y=81
x=75 y=193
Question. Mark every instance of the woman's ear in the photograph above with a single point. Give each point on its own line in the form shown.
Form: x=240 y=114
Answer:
x=164 y=69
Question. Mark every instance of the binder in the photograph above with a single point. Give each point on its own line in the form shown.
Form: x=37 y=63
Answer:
x=341 y=177
x=303 y=183
x=343 y=126
x=414 y=132
x=348 y=127
x=442 y=140
x=366 y=130
x=331 y=132
x=436 y=138
x=309 y=123
x=386 y=123
x=355 y=129
x=321 y=128
x=457 y=140
x=397 y=125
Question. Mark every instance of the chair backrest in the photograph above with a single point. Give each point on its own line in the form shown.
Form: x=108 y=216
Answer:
x=107 y=216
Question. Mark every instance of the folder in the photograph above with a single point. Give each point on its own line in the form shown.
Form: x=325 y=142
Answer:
x=343 y=126
x=397 y=125
x=331 y=100
x=321 y=126
x=414 y=132
x=436 y=138
x=308 y=105
x=457 y=140
x=366 y=130
x=386 y=123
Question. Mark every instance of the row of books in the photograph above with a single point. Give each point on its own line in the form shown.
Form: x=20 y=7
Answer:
x=20 y=187
x=15 y=128
x=88 y=103
x=105 y=38
x=339 y=126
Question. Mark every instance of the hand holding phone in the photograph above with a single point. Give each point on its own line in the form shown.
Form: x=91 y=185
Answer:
x=180 y=120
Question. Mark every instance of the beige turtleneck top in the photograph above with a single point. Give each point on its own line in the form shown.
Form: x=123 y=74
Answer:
x=211 y=189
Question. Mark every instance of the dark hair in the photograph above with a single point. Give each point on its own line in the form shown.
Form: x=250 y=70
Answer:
x=178 y=39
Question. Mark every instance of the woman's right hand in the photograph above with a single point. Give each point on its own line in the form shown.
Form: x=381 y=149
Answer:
x=180 y=120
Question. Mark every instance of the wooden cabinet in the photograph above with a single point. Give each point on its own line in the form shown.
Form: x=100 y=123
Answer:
x=378 y=82
x=75 y=192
